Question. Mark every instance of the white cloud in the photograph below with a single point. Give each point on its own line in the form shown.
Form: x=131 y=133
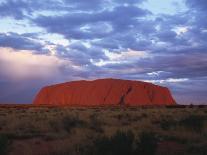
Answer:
x=17 y=26
x=157 y=73
x=180 y=30
x=121 y=57
x=126 y=55
x=52 y=49
x=169 y=80
x=16 y=64
x=177 y=80
x=165 y=6
x=56 y=39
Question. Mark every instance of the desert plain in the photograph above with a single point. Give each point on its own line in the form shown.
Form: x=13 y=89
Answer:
x=51 y=130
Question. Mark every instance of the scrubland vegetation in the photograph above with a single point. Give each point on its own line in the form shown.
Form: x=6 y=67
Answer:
x=103 y=131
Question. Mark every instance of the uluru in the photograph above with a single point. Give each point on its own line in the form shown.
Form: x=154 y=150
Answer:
x=104 y=92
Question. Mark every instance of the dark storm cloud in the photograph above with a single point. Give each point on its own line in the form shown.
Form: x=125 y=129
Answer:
x=20 y=9
x=106 y=29
x=19 y=42
x=97 y=5
x=11 y=8
x=128 y=30
x=85 y=5
x=22 y=93
x=81 y=55
x=190 y=92
x=72 y=25
x=129 y=1
x=181 y=66
x=167 y=36
x=197 y=4
x=173 y=66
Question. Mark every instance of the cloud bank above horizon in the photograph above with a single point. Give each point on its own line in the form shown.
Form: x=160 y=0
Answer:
x=53 y=41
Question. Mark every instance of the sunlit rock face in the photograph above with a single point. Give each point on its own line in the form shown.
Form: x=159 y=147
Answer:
x=104 y=92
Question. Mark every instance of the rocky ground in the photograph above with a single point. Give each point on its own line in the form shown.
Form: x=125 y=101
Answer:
x=103 y=131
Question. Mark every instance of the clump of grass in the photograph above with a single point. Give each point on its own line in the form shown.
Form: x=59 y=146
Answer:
x=4 y=142
x=70 y=122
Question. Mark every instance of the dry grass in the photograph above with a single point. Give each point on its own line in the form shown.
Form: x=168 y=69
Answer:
x=64 y=130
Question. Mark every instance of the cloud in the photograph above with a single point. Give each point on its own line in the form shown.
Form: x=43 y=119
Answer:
x=155 y=73
x=126 y=55
x=23 y=73
x=169 y=80
x=181 y=30
x=86 y=5
x=12 y=8
x=23 y=9
x=197 y=4
x=72 y=25
x=122 y=57
x=24 y=65
x=19 y=42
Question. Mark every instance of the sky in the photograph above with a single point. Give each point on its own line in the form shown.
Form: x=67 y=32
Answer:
x=44 y=42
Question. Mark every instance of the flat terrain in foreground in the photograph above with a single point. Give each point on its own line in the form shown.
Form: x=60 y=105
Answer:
x=30 y=130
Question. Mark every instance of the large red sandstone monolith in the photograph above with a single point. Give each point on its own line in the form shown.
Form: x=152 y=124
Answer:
x=104 y=92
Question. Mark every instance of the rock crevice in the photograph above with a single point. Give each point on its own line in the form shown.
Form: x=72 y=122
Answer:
x=122 y=99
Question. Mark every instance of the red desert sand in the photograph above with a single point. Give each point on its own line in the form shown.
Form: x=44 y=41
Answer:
x=105 y=92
